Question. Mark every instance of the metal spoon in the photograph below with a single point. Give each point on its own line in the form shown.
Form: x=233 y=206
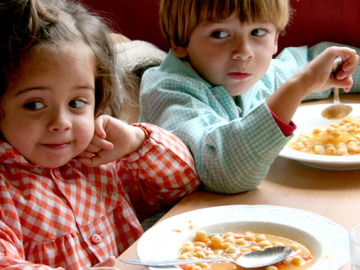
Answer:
x=259 y=258
x=337 y=110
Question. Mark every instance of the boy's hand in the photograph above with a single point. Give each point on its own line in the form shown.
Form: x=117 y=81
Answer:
x=112 y=140
x=318 y=73
x=315 y=77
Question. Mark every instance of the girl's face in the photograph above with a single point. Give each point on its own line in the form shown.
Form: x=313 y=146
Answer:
x=48 y=108
x=230 y=53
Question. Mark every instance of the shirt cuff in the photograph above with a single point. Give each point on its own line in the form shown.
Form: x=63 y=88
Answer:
x=286 y=129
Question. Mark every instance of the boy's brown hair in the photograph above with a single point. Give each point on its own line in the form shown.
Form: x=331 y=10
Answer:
x=178 y=18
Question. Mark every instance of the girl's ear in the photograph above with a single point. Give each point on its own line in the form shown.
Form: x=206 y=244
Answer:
x=180 y=52
x=276 y=43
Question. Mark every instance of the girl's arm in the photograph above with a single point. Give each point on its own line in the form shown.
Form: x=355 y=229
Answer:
x=159 y=173
x=156 y=167
x=113 y=139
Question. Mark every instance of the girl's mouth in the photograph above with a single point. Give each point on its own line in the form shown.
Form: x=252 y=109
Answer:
x=56 y=146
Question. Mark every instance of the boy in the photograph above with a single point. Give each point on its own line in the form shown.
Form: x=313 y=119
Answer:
x=216 y=88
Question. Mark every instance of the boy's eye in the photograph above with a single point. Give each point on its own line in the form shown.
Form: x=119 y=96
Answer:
x=77 y=104
x=258 y=32
x=34 y=105
x=219 y=34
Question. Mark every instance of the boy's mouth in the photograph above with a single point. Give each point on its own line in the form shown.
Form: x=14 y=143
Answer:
x=239 y=75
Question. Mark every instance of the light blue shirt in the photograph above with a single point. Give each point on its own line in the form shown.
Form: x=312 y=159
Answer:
x=233 y=143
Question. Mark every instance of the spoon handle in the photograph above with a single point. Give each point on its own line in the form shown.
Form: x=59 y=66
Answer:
x=336 y=96
x=166 y=263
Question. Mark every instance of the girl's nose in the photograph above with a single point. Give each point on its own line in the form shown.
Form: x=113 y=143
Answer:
x=59 y=121
x=242 y=50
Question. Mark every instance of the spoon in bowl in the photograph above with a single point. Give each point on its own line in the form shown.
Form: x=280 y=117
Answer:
x=337 y=110
x=259 y=258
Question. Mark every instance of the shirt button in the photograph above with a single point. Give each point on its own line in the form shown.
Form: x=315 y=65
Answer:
x=57 y=173
x=95 y=238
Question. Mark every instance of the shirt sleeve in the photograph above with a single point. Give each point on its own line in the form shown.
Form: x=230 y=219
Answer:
x=291 y=60
x=287 y=129
x=160 y=173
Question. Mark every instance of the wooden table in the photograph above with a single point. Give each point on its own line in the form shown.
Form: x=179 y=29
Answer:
x=333 y=194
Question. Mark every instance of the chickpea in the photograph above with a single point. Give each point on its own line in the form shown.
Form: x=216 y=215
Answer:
x=183 y=257
x=299 y=146
x=260 y=237
x=197 y=267
x=200 y=254
x=230 y=239
x=271 y=267
x=187 y=248
x=203 y=265
x=297 y=260
x=201 y=236
x=232 y=250
x=319 y=149
x=255 y=248
x=241 y=242
x=216 y=241
x=250 y=236
x=265 y=243
x=226 y=245
x=209 y=252
x=317 y=130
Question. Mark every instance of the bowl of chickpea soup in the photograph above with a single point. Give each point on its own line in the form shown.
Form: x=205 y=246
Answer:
x=234 y=230
x=324 y=143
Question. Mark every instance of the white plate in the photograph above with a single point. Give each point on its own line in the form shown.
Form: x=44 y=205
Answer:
x=306 y=119
x=327 y=240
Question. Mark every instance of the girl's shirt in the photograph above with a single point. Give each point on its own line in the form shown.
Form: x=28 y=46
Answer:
x=76 y=216
x=233 y=141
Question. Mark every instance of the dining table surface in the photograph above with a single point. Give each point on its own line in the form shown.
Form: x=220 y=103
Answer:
x=334 y=194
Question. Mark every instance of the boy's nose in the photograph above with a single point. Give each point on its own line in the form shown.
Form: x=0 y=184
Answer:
x=59 y=121
x=242 y=51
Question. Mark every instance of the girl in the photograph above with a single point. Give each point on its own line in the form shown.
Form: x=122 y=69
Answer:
x=221 y=92
x=74 y=183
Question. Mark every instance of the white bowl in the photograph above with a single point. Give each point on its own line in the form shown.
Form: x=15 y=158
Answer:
x=327 y=240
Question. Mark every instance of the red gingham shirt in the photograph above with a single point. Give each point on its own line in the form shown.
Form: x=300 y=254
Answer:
x=75 y=216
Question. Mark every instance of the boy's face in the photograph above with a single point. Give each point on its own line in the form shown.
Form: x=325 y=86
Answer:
x=230 y=53
x=48 y=108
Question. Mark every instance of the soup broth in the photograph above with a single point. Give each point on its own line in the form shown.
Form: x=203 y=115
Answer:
x=233 y=245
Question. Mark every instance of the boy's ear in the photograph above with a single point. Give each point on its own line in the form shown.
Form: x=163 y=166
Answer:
x=180 y=52
x=276 y=43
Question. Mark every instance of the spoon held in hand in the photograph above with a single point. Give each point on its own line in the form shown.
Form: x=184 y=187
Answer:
x=337 y=110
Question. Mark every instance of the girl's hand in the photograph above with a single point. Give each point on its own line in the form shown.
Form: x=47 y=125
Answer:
x=112 y=140
x=108 y=264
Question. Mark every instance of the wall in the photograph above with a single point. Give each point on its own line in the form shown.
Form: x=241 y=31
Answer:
x=313 y=21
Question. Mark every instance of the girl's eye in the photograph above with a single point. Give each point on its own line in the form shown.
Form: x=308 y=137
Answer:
x=77 y=104
x=219 y=34
x=258 y=32
x=34 y=105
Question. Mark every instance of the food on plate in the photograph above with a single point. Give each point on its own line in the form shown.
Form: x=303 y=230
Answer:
x=235 y=244
x=338 y=139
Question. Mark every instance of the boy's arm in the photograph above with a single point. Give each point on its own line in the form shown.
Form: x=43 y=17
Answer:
x=231 y=154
